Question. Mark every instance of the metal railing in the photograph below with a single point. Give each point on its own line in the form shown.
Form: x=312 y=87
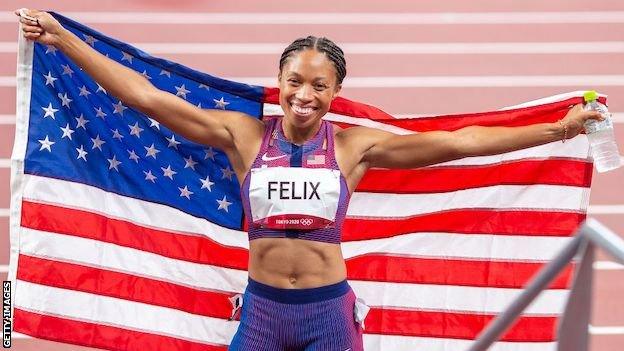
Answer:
x=574 y=324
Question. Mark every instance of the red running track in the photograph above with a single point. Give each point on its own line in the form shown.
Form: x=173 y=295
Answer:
x=609 y=285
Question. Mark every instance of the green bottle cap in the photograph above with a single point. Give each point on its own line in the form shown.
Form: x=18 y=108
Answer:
x=591 y=95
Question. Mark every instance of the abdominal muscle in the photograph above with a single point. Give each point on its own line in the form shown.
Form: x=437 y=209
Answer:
x=294 y=263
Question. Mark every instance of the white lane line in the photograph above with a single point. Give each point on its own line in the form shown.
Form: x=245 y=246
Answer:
x=392 y=18
x=444 y=81
x=381 y=48
x=615 y=330
x=608 y=266
x=7 y=119
x=605 y=209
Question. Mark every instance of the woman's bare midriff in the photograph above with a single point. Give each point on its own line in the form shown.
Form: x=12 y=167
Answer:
x=294 y=263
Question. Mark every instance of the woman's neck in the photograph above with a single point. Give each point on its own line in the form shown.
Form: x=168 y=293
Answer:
x=299 y=136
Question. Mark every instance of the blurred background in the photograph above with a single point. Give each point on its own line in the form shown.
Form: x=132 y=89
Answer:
x=409 y=58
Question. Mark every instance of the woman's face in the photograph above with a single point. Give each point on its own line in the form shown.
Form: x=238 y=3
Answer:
x=308 y=84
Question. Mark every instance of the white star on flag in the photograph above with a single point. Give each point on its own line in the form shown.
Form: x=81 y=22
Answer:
x=185 y=192
x=167 y=73
x=117 y=135
x=144 y=74
x=206 y=183
x=84 y=91
x=113 y=163
x=227 y=173
x=67 y=70
x=149 y=176
x=204 y=86
x=189 y=163
x=223 y=204
x=64 y=99
x=82 y=153
x=168 y=172
x=182 y=91
x=100 y=88
x=135 y=129
x=172 y=142
x=81 y=122
x=99 y=112
x=126 y=57
x=209 y=154
x=46 y=143
x=90 y=40
x=51 y=49
x=220 y=103
x=67 y=132
x=133 y=156
x=49 y=111
x=119 y=108
x=49 y=79
x=154 y=123
x=151 y=151
x=97 y=143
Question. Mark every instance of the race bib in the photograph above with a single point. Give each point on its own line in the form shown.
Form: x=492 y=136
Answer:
x=294 y=198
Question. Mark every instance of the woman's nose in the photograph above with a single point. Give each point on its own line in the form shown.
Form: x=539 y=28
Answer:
x=304 y=93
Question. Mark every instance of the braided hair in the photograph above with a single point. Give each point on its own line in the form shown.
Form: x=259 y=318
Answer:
x=324 y=45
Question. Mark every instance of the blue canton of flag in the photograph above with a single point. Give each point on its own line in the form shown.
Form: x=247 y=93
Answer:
x=78 y=132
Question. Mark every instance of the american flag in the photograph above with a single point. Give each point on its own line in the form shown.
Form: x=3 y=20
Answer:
x=127 y=236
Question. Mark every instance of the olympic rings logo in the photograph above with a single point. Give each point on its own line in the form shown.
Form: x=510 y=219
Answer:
x=306 y=222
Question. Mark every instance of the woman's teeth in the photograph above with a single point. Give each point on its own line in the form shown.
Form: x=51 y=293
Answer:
x=302 y=110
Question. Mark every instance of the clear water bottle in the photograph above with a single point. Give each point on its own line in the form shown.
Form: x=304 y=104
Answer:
x=604 y=150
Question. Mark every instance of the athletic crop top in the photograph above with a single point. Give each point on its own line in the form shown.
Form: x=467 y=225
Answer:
x=295 y=191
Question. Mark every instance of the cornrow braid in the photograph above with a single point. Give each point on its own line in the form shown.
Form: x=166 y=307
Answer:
x=334 y=53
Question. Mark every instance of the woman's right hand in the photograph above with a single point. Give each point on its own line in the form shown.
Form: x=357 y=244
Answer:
x=45 y=30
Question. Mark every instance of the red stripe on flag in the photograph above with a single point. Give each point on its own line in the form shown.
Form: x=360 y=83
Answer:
x=89 y=225
x=477 y=221
x=455 y=325
x=415 y=270
x=443 y=179
x=124 y=286
x=550 y=112
x=100 y=336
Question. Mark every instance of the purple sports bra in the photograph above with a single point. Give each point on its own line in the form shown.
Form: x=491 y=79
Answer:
x=295 y=191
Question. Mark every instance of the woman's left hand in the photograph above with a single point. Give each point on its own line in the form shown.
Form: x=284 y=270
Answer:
x=575 y=120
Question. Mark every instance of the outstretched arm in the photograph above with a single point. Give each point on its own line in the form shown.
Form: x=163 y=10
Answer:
x=223 y=129
x=386 y=150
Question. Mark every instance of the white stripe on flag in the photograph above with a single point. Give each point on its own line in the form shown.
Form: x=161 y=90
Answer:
x=144 y=213
x=97 y=254
x=122 y=313
x=461 y=246
x=532 y=197
x=454 y=298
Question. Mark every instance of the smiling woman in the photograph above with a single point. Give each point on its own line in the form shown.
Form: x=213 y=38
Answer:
x=297 y=174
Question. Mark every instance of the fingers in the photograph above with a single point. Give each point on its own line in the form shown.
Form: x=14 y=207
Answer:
x=29 y=22
x=32 y=29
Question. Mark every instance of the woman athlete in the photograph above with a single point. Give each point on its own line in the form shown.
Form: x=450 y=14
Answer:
x=296 y=175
